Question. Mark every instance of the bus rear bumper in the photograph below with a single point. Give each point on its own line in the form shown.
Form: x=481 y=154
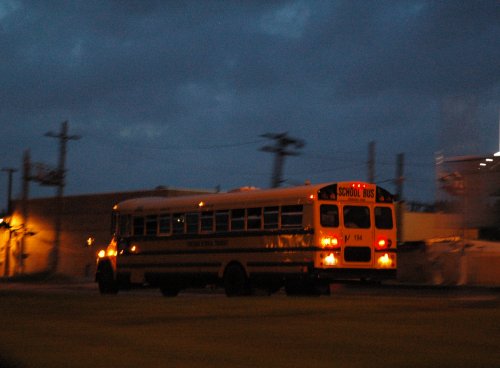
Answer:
x=335 y=274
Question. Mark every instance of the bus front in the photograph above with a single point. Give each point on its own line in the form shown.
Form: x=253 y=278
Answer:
x=356 y=232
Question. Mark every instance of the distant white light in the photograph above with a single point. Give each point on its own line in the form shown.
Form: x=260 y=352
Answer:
x=496 y=154
x=482 y=164
x=489 y=160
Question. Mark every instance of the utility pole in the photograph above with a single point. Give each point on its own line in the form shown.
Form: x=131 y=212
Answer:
x=371 y=162
x=399 y=180
x=9 y=171
x=24 y=210
x=282 y=141
x=61 y=170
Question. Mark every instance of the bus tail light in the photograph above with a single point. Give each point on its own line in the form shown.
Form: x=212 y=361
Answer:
x=385 y=261
x=383 y=243
x=330 y=241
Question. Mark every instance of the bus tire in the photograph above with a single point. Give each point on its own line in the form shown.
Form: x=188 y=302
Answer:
x=236 y=281
x=106 y=281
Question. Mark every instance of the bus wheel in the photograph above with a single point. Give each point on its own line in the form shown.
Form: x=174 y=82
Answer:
x=169 y=290
x=236 y=281
x=106 y=281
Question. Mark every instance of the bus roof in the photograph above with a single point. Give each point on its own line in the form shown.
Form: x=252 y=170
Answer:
x=244 y=197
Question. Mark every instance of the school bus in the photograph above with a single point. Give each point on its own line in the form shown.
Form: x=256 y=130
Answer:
x=300 y=238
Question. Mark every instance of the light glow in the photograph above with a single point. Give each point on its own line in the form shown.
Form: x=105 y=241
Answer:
x=331 y=260
x=383 y=243
x=101 y=253
x=329 y=241
x=385 y=261
x=111 y=252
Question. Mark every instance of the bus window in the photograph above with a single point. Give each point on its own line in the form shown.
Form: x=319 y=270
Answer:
x=291 y=217
x=192 y=223
x=124 y=229
x=178 y=223
x=271 y=216
x=151 y=225
x=254 y=218
x=207 y=222
x=356 y=217
x=329 y=215
x=383 y=218
x=138 y=225
x=222 y=221
x=238 y=219
x=164 y=224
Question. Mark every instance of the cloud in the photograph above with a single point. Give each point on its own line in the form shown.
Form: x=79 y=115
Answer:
x=151 y=84
x=287 y=21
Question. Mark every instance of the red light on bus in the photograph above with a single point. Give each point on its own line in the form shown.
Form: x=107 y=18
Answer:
x=383 y=243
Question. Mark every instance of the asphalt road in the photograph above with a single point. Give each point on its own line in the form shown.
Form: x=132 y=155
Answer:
x=71 y=325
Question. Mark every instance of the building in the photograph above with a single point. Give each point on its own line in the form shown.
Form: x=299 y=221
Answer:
x=27 y=245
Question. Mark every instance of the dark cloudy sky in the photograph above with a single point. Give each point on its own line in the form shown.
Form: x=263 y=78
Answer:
x=178 y=93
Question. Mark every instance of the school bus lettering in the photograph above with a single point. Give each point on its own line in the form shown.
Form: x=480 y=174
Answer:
x=356 y=191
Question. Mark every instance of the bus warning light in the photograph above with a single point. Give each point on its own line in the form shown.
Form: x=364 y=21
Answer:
x=329 y=241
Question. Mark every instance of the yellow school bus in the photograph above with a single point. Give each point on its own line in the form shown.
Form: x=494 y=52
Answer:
x=300 y=238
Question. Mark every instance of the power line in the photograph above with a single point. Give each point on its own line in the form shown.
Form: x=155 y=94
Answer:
x=169 y=147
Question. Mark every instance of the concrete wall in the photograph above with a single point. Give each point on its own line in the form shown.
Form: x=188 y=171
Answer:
x=419 y=226
x=470 y=263
x=434 y=252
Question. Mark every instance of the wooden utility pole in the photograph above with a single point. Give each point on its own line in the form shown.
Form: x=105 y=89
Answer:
x=371 y=162
x=10 y=171
x=282 y=141
x=400 y=161
x=24 y=210
x=400 y=206
x=61 y=170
